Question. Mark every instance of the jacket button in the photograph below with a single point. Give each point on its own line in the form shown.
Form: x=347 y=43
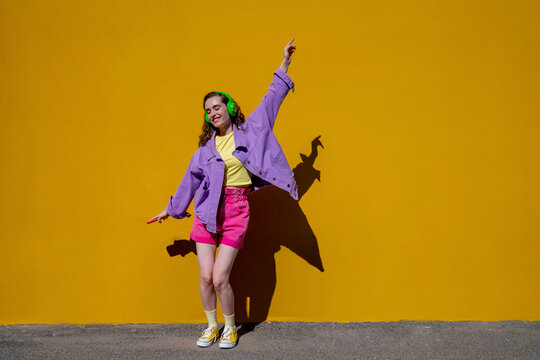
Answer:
x=288 y=185
x=249 y=162
x=260 y=172
x=274 y=178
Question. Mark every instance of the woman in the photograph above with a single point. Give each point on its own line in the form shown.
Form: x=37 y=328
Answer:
x=235 y=156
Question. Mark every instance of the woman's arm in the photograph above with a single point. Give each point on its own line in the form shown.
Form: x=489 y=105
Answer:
x=265 y=114
x=191 y=181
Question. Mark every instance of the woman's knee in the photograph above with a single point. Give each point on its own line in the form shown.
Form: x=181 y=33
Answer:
x=221 y=281
x=207 y=279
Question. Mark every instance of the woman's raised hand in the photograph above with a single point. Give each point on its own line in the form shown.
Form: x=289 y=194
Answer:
x=288 y=51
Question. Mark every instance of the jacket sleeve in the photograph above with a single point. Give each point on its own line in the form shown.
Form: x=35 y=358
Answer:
x=265 y=114
x=191 y=181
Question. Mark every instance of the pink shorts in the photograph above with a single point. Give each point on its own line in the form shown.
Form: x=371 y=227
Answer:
x=232 y=221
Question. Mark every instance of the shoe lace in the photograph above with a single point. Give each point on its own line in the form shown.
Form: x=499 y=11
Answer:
x=227 y=335
x=208 y=333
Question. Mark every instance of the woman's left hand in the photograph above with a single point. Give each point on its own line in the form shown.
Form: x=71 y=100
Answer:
x=288 y=51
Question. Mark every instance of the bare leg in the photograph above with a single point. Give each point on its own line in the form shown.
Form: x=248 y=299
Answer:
x=206 y=254
x=222 y=269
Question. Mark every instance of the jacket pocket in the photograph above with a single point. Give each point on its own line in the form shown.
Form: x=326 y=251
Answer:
x=279 y=158
x=281 y=166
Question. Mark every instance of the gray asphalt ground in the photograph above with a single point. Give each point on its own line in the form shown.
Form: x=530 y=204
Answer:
x=278 y=340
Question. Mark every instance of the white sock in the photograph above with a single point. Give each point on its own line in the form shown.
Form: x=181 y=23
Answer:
x=229 y=321
x=212 y=318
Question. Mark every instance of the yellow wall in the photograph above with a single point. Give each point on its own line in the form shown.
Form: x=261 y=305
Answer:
x=428 y=206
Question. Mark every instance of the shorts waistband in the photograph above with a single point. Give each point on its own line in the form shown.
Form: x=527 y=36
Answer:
x=236 y=191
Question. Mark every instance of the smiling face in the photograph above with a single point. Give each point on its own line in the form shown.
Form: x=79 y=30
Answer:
x=218 y=114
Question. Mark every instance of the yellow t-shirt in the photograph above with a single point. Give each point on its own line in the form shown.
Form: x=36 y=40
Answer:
x=235 y=172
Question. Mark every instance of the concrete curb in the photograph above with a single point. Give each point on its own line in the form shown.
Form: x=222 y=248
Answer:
x=278 y=340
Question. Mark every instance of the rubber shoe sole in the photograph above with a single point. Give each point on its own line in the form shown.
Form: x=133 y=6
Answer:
x=205 y=343
x=227 y=345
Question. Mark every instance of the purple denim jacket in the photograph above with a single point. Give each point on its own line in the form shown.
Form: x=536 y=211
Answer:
x=256 y=147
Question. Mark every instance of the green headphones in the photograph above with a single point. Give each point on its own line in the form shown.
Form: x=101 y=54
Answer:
x=230 y=107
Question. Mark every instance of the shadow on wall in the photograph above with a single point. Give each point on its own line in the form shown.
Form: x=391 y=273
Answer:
x=276 y=220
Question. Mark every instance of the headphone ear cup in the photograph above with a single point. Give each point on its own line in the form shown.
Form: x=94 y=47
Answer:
x=206 y=118
x=230 y=107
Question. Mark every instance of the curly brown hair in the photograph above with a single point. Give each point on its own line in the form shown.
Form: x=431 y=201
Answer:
x=209 y=129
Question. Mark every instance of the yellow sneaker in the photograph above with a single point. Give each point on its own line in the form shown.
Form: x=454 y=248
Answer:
x=208 y=337
x=229 y=338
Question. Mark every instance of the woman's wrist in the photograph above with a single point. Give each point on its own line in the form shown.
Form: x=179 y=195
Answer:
x=285 y=65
